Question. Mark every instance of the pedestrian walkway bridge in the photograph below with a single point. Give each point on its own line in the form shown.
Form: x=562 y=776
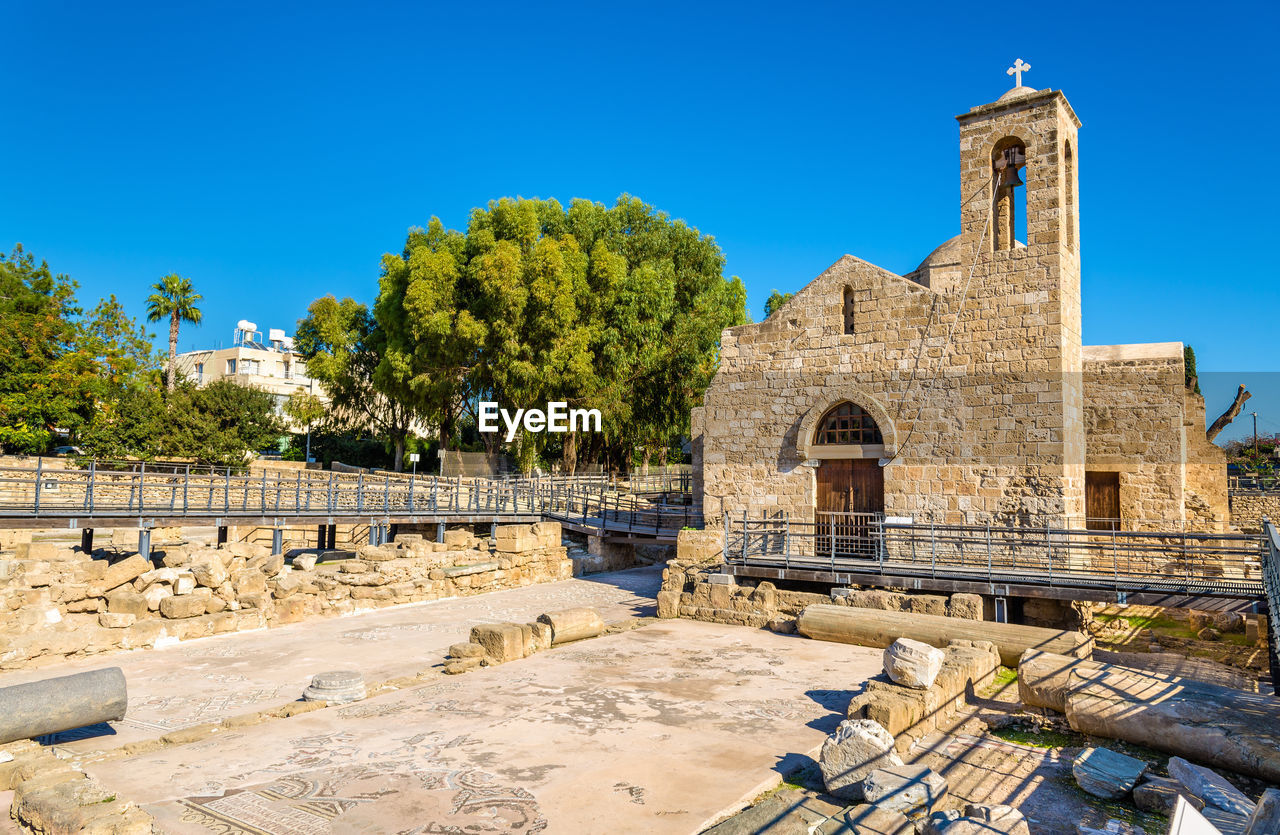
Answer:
x=643 y=507
x=1152 y=567
x=1091 y=562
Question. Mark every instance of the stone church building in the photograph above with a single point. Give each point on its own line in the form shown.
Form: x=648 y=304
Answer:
x=961 y=391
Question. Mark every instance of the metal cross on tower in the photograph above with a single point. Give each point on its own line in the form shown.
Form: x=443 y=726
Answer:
x=1018 y=69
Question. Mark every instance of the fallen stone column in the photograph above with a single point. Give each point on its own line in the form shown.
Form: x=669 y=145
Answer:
x=1043 y=677
x=1205 y=723
x=879 y=628
x=572 y=625
x=61 y=704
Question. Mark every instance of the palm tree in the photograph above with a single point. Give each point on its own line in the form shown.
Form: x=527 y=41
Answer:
x=175 y=298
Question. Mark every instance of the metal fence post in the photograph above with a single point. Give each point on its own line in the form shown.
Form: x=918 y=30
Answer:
x=1048 y=548
x=1115 y=558
x=786 y=539
x=39 y=482
x=988 y=552
x=93 y=472
x=833 y=541
x=142 y=492
x=933 y=546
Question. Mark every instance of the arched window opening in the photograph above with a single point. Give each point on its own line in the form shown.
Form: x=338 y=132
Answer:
x=1070 y=174
x=1007 y=161
x=847 y=423
x=848 y=310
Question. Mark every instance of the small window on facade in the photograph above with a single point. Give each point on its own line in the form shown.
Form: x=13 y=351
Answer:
x=848 y=310
x=848 y=424
x=199 y=372
x=231 y=366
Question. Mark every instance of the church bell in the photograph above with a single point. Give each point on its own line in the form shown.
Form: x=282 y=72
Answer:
x=1011 y=159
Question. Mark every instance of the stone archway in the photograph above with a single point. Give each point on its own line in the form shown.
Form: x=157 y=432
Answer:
x=807 y=450
x=844 y=439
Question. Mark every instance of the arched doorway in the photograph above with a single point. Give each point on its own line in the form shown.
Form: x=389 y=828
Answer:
x=849 y=498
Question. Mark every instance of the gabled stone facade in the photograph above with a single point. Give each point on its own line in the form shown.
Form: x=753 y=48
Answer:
x=972 y=366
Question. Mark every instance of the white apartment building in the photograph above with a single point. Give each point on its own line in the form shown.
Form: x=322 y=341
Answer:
x=271 y=365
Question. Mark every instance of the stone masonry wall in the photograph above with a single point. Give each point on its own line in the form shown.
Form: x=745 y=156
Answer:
x=1207 y=502
x=693 y=588
x=1134 y=427
x=1250 y=507
x=57 y=602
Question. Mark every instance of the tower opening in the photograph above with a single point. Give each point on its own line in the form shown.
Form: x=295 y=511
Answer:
x=1008 y=207
x=848 y=309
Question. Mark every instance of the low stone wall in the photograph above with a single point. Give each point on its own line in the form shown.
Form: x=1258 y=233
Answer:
x=693 y=588
x=57 y=602
x=1250 y=507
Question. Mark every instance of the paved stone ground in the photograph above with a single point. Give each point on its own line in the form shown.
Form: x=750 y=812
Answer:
x=209 y=679
x=659 y=729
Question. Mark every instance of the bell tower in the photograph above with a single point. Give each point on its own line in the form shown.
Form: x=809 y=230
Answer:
x=1019 y=231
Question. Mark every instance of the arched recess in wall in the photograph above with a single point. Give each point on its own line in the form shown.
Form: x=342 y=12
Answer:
x=809 y=448
x=1009 y=205
x=1069 y=173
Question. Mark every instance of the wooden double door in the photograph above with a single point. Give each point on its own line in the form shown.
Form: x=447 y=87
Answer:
x=849 y=502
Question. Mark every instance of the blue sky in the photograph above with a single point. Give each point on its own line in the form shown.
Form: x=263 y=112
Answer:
x=273 y=152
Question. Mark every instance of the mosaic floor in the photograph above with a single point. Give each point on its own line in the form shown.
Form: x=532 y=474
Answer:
x=659 y=729
x=213 y=678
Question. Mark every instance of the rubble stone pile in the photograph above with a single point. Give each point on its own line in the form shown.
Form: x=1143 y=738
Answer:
x=57 y=601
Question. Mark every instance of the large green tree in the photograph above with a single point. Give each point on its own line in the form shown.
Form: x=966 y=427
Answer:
x=174 y=298
x=775 y=301
x=615 y=308
x=305 y=410
x=223 y=423
x=429 y=338
x=343 y=348
x=58 y=366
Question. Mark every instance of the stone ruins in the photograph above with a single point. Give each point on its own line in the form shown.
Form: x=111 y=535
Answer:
x=677 y=698
x=58 y=601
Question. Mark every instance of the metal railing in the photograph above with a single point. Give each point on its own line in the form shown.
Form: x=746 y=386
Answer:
x=665 y=482
x=1254 y=483
x=200 y=493
x=1183 y=561
x=1271 y=585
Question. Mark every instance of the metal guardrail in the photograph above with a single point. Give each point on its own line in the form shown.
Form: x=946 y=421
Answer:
x=1271 y=584
x=204 y=494
x=1208 y=564
x=1254 y=483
